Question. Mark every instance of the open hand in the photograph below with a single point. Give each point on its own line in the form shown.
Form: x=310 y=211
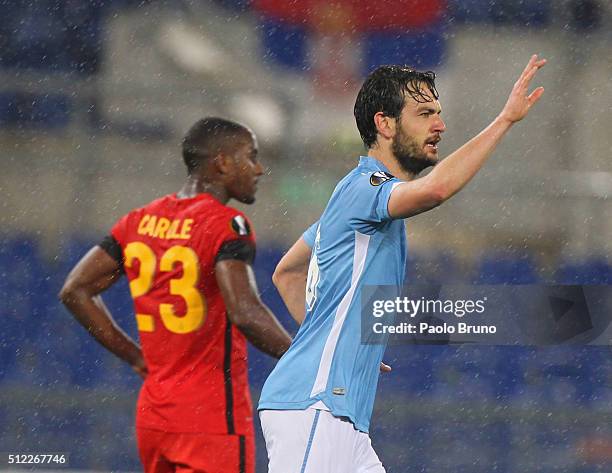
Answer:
x=519 y=102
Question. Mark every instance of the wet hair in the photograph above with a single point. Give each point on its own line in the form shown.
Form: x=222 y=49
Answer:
x=208 y=137
x=385 y=91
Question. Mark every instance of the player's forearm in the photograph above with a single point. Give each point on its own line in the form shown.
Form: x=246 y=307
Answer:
x=292 y=289
x=454 y=172
x=262 y=329
x=92 y=314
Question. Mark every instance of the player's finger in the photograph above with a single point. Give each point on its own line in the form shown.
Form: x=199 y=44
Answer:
x=535 y=95
x=534 y=63
x=525 y=71
x=526 y=79
x=532 y=60
x=384 y=368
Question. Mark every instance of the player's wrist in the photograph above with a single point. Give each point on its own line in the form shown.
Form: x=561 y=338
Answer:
x=504 y=120
x=134 y=357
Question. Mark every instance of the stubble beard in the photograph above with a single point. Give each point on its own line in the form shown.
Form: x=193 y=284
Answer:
x=410 y=156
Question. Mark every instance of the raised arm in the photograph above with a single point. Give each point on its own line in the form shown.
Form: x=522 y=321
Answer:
x=454 y=172
x=93 y=274
x=246 y=310
x=290 y=278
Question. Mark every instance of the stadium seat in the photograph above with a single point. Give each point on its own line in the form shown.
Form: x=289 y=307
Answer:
x=529 y=13
x=421 y=49
x=235 y=5
x=433 y=268
x=284 y=44
x=53 y=37
x=596 y=271
x=506 y=269
x=267 y=258
x=29 y=110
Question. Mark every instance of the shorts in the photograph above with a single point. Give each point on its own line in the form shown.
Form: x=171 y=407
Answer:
x=169 y=452
x=314 y=441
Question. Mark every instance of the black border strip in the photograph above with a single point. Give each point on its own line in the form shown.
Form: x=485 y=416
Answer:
x=227 y=374
x=242 y=445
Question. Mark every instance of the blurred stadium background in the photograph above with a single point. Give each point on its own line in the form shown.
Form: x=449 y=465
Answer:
x=95 y=96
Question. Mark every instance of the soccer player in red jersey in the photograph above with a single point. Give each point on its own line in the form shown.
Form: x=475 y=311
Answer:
x=188 y=259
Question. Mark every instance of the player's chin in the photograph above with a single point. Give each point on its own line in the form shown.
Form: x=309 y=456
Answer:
x=432 y=154
x=247 y=199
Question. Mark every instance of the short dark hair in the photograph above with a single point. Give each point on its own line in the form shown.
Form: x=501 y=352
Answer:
x=384 y=91
x=209 y=137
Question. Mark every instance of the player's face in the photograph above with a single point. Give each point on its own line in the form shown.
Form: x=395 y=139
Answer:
x=418 y=131
x=247 y=170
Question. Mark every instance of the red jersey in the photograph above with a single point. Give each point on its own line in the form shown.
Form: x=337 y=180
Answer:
x=197 y=360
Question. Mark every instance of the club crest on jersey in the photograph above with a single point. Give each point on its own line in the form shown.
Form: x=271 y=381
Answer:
x=241 y=226
x=377 y=178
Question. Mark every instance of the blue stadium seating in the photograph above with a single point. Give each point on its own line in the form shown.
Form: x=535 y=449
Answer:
x=421 y=49
x=42 y=347
x=593 y=271
x=34 y=111
x=528 y=13
x=284 y=44
x=52 y=36
x=439 y=267
x=506 y=269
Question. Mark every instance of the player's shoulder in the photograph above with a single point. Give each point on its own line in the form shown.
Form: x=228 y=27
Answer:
x=238 y=222
x=152 y=206
x=219 y=211
x=127 y=223
x=227 y=210
x=219 y=217
x=156 y=204
x=372 y=178
x=363 y=181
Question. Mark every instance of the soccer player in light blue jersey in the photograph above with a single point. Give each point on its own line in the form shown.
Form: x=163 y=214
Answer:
x=315 y=407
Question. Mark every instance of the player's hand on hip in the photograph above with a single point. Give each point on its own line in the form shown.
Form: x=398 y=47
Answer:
x=520 y=100
x=384 y=368
x=141 y=369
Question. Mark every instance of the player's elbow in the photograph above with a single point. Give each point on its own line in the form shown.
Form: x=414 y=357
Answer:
x=68 y=292
x=279 y=276
x=276 y=278
x=284 y=280
x=439 y=195
x=71 y=291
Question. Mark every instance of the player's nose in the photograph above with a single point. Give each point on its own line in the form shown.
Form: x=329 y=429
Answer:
x=259 y=169
x=439 y=125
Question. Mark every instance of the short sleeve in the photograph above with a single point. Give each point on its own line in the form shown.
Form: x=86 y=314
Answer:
x=242 y=250
x=369 y=198
x=113 y=249
x=310 y=234
x=232 y=231
x=119 y=230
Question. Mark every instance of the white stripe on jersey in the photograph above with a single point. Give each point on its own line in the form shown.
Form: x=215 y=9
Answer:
x=359 y=258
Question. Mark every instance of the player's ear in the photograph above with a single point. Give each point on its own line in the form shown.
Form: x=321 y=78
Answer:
x=385 y=125
x=223 y=163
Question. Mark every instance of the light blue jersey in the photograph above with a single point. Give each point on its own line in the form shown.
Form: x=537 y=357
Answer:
x=355 y=243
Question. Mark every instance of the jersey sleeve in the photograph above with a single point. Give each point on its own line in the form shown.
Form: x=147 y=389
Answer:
x=368 y=200
x=113 y=249
x=114 y=243
x=310 y=234
x=234 y=239
x=242 y=250
x=119 y=230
